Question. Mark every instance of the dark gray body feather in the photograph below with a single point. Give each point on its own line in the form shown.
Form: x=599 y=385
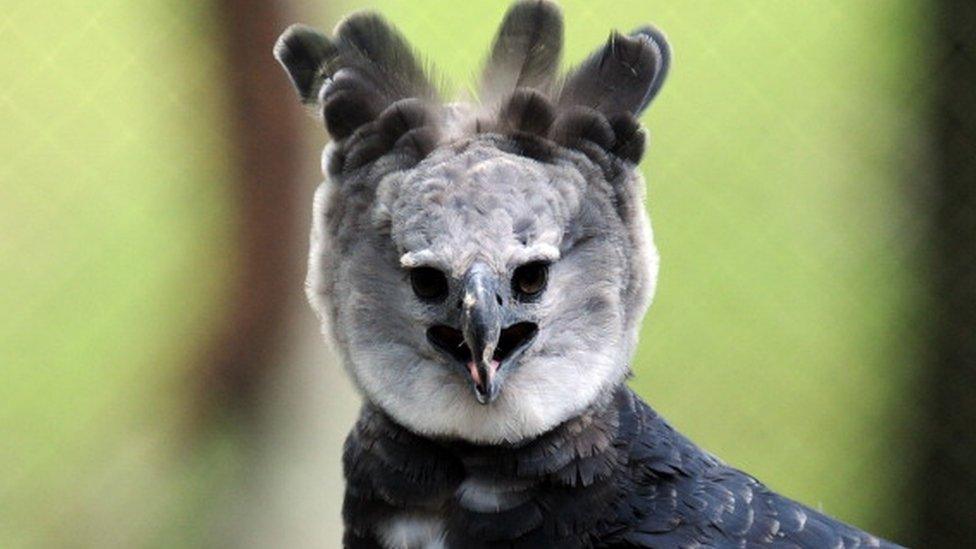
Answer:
x=617 y=476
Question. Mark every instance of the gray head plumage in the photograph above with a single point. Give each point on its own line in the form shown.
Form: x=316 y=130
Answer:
x=481 y=267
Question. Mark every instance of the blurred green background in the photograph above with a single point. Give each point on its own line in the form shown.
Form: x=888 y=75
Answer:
x=784 y=149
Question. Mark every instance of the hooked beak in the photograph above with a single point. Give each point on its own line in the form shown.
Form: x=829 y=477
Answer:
x=482 y=346
x=481 y=324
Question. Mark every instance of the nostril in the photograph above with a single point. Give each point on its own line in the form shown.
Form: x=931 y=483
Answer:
x=498 y=298
x=514 y=338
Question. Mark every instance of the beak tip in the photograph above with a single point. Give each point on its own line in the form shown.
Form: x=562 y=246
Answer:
x=486 y=388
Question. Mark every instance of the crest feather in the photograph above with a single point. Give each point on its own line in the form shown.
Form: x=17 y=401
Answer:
x=302 y=51
x=526 y=51
x=355 y=76
x=621 y=77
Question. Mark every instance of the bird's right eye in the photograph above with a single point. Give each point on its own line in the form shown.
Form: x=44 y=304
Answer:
x=428 y=283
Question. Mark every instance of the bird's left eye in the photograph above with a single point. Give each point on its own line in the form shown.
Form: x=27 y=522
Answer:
x=530 y=279
x=428 y=283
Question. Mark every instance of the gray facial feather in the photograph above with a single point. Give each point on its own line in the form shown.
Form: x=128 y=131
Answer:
x=465 y=202
x=504 y=196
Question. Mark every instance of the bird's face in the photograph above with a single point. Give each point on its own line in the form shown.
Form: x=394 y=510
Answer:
x=489 y=298
x=482 y=267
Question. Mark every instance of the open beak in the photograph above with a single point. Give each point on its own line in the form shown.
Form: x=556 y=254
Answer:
x=483 y=346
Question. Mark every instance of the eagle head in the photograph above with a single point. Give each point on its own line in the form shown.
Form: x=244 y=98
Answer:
x=482 y=267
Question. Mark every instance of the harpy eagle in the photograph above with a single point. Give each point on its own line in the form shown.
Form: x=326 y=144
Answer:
x=483 y=267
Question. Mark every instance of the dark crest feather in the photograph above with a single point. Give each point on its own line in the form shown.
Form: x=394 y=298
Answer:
x=526 y=50
x=302 y=51
x=371 y=46
x=346 y=110
x=664 y=49
x=527 y=111
x=365 y=68
x=375 y=95
x=621 y=77
x=581 y=123
x=402 y=116
x=629 y=138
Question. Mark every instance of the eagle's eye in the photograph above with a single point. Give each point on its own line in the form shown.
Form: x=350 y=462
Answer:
x=428 y=283
x=529 y=280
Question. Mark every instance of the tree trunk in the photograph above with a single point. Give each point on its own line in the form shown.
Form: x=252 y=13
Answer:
x=947 y=476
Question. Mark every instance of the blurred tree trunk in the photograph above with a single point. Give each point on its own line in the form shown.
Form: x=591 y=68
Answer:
x=270 y=367
x=266 y=149
x=947 y=476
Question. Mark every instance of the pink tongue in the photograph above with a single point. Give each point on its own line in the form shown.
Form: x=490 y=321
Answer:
x=476 y=375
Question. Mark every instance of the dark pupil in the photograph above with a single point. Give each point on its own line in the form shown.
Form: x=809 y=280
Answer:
x=530 y=279
x=428 y=283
